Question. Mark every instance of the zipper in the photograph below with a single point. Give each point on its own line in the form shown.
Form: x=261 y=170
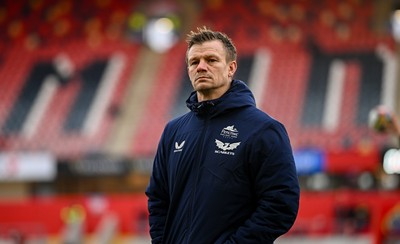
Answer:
x=198 y=166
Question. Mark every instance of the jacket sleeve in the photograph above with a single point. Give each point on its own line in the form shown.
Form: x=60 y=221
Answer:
x=275 y=184
x=157 y=193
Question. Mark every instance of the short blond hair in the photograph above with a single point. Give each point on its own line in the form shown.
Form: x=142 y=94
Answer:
x=205 y=34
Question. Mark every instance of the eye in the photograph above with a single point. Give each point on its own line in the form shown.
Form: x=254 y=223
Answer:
x=194 y=62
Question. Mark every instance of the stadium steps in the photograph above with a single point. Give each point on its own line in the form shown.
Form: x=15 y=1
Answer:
x=159 y=107
x=133 y=104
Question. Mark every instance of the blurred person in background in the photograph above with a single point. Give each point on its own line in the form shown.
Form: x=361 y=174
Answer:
x=394 y=126
x=223 y=172
x=383 y=120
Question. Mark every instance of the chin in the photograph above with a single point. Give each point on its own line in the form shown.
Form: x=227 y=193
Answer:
x=203 y=87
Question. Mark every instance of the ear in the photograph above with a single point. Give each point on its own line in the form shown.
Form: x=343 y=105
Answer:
x=232 y=68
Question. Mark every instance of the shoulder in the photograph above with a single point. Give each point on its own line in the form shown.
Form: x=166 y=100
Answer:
x=266 y=128
x=179 y=125
x=262 y=118
x=179 y=121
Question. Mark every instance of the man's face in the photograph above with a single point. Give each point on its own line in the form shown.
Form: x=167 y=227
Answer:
x=208 y=69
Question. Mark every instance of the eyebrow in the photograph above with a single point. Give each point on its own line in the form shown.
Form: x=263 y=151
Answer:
x=207 y=56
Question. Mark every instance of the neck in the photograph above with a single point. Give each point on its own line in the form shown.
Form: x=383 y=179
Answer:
x=206 y=95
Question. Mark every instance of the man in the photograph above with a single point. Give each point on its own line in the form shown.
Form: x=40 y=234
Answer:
x=224 y=172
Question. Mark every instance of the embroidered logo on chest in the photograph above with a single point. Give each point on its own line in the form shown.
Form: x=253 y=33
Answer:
x=179 y=147
x=230 y=132
x=225 y=147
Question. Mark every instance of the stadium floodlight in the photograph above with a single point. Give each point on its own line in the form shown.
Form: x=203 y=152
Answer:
x=391 y=161
x=159 y=34
x=395 y=24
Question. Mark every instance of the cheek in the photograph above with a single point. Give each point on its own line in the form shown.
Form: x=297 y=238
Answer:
x=190 y=73
x=191 y=78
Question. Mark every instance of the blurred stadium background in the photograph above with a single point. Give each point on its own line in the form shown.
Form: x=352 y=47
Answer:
x=87 y=86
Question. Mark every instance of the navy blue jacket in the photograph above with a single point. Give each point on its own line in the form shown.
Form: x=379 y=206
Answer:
x=223 y=173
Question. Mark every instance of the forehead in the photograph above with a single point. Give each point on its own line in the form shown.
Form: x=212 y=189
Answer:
x=208 y=48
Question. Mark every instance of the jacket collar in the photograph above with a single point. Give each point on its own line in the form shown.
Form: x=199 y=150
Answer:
x=238 y=95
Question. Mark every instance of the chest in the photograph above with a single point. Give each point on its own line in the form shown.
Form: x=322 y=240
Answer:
x=211 y=145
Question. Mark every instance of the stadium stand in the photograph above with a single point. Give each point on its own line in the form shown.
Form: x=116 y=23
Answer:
x=42 y=108
x=301 y=62
x=76 y=80
x=48 y=114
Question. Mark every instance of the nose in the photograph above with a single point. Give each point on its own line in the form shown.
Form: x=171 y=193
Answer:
x=202 y=65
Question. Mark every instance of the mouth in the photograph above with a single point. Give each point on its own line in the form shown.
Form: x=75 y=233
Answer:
x=202 y=78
